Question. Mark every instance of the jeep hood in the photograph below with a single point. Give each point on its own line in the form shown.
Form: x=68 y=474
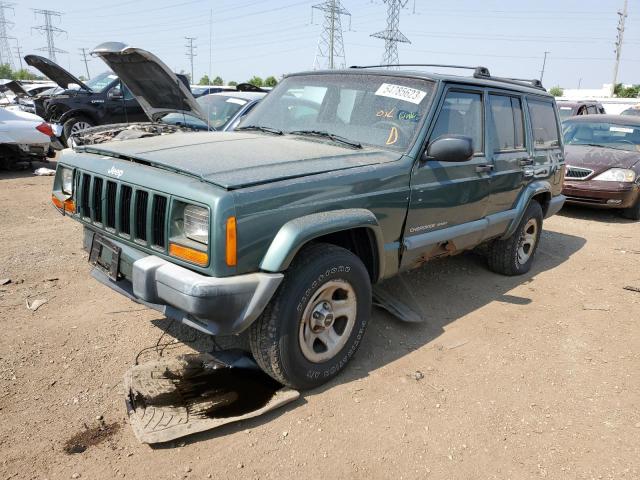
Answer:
x=599 y=159
x=54 y=72
x=156 y=88
x=236 y=159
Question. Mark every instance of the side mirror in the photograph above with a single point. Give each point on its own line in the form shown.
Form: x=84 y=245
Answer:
x=115 y=94
x=450 y=148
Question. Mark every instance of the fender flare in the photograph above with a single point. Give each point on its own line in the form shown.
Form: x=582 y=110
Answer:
x=530 y=191
x=296 y=233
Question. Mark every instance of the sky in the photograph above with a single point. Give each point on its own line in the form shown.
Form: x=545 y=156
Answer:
x=276 y=37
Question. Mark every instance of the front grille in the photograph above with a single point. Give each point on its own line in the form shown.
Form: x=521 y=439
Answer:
x=123 y=209
x=577 y=173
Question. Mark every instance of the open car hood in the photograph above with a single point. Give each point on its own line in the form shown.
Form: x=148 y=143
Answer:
x=16 y=88
x=54 y=72
x=156 y=88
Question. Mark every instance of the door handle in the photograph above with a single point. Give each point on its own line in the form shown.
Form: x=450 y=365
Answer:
x=526 y=161
x=484 y=168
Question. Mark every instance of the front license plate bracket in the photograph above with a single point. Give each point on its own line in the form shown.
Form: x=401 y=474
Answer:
x=98 y=244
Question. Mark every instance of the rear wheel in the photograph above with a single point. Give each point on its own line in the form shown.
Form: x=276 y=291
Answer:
x=315 y=322
x=514 y=255
x=74 y=125
x=633 y=212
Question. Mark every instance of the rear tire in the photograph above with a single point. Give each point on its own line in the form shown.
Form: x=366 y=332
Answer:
x=315 y=322
x=633 y=212
x=514 y=255
x=74 y=125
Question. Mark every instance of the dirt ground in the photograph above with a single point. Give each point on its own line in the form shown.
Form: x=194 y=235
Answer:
x=528 y=377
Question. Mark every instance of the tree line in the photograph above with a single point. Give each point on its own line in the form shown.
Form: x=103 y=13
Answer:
x=270 y=81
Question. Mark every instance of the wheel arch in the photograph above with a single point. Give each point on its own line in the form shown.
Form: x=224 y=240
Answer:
x=355 y=229
x=540 y=192
x=77 y=112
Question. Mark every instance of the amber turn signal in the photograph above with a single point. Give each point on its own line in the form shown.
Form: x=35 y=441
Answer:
x=188 y=254
x=67 y=205
x=232 y=241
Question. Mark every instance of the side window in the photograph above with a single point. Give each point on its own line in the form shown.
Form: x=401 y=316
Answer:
x=591 y=110
x=543 y=123
x=506 y=123
x=126 y=92
x=461 y=114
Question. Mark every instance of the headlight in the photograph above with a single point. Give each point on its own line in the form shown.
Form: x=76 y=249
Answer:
x=196 y=223
x=66 y=175
x=617 y=175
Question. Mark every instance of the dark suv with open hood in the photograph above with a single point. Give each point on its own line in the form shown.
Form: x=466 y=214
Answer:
x=103 y=100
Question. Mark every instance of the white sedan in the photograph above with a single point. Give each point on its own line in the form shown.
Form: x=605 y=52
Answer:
x=24 y=137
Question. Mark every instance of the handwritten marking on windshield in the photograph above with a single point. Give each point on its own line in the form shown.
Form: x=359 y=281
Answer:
x=393 y=136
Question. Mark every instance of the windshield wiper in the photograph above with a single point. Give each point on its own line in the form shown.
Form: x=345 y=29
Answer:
x=330 y=136
x=260 y=128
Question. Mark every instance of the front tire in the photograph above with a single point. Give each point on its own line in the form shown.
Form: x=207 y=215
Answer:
x=316 y=321
x=74 y=125
x=633 y=212
x=514 y=255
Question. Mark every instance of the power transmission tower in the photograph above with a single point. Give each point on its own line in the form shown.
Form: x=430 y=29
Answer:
x=544 y=64
x=621 y=21
x=392 y=35
x=50 y=31
x=190 y=54
x=19 y=53
x=5 y=49
x=85 y=60
x=330 y=45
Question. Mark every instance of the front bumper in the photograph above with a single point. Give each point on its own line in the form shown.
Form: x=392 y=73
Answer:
x=217 y=306
x=601 y=194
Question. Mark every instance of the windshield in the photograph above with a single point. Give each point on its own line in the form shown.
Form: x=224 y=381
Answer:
x=603 y=134
x=219 y=108
x=378 y=110
x=566 y=112
x=633 y=112
x=100 y=82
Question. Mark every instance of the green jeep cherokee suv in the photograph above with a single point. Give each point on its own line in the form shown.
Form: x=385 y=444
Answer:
x=335 y=181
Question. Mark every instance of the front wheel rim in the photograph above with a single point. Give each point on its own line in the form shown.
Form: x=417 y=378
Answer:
x=327 y=321
x=527 y=242
x=79 y=126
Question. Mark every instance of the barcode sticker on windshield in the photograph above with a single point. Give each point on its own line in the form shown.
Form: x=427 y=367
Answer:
x=236 y=101
x=621 y=129
x=400 y=92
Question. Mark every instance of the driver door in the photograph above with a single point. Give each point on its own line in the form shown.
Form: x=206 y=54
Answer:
x=449 y=200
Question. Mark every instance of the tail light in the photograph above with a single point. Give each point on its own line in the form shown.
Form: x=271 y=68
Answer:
x=46 y=129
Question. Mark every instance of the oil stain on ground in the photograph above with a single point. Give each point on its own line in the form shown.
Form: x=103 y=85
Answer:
x=90 y=437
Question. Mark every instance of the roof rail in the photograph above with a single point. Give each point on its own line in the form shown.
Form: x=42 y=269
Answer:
x=478 y=72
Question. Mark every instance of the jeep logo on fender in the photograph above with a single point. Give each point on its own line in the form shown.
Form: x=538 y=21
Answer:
x=116 y=172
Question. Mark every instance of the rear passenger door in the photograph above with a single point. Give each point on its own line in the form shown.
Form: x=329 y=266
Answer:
x=507 y=149
x=546 y=146
x=448 y=198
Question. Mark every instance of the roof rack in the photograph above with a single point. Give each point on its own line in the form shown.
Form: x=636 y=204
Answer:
x=478 y=72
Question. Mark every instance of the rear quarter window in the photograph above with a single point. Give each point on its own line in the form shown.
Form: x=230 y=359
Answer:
x=543 y=124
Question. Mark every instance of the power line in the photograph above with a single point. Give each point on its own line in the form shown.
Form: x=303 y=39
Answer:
x=330 y=45
x=84 y=56
x=5 y=49
x=50 y=31
x=190 y=54
x=621 y=21
x=392 y=35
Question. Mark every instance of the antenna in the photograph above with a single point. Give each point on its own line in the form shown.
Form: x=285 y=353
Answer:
x=84 y=56
x=621 y=21
x=392 y=35
x=5 y=49
x=50 y=31
x=190 y=54
x=330 y=45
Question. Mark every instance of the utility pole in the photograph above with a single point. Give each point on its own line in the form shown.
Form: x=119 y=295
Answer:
x=19 y=53
x=5 y=49
x=392 y=35
x=544 y=64
x=621 y=21
x=330 y=45
x=190 y=54
x=50 y=31
x=84 y=55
